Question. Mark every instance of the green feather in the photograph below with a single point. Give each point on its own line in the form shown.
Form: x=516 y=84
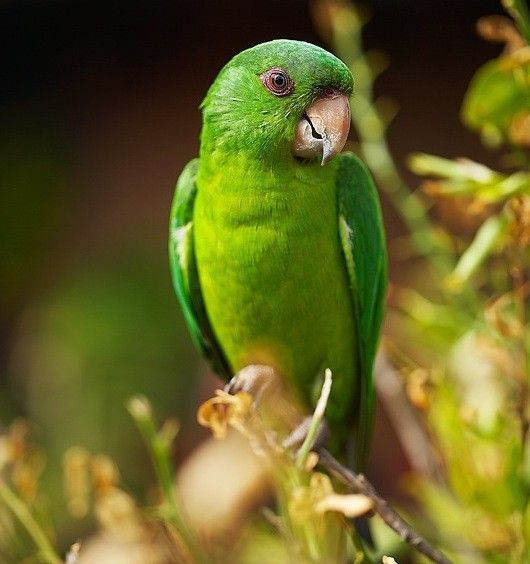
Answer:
x=363 y=241
x=184 y=271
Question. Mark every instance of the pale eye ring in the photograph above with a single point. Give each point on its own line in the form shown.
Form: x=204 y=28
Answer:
x=277 y=81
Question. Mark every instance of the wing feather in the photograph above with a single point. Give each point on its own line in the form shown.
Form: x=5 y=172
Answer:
x=184 y=270
x=363 y=242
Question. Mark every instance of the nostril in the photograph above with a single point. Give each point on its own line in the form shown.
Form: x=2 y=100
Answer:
x=329 y=91
x=314 y=132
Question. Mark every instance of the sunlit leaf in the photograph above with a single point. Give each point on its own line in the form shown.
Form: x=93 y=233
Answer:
x=498 y=92
x=464 y=177
x=488 y=236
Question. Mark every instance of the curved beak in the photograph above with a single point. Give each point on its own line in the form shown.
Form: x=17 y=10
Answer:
x=324 y=128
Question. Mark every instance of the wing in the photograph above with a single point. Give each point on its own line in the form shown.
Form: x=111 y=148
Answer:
x=363 y=242
x=184 y=270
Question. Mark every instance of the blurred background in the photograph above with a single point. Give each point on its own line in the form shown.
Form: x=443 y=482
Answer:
x=98 y=115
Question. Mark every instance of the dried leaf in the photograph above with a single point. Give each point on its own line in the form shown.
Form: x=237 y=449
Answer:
x=105 y=474
x=311 y=461
x=320 y=484
x=351 y=505
x=500 y=315
x=116 y=511
x=419 y=389
x=500 y=29
x=304 y=499
x=519 y=129
x=223 y=411
x=76 y=481
x=520 y=227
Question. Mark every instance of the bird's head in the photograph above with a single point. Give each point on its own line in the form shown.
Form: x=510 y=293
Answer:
x=281 y=99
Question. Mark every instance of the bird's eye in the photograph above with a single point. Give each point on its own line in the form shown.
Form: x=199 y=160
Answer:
x=277 y=81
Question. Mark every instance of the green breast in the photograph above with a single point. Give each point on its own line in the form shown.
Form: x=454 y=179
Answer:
x=272 y=274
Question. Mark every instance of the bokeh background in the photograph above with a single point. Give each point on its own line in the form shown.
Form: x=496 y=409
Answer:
x=98 y=114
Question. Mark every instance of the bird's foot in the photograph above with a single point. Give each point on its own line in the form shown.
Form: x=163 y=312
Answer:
x=265 y=386
x=297 y=437
x=255 y=379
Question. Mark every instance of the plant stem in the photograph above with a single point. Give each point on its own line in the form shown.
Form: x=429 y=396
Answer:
x=518 y=9
x=316 y=421
x=520 y=353
x=160 y=451
x=21 y=511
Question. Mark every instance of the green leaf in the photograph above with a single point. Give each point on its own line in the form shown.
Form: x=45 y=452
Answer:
x=464 y=177
x=461 y=169
x=526 y=524
x=487 y=237
x=499 y=90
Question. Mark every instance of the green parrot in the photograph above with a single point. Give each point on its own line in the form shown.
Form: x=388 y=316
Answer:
x=276 y=244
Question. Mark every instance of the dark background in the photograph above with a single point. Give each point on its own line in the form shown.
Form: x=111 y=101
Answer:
x=98 y=114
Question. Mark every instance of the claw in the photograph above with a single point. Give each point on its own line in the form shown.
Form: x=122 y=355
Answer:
x=255 y=379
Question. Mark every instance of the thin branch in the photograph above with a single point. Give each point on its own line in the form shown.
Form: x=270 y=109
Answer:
x=359 y=484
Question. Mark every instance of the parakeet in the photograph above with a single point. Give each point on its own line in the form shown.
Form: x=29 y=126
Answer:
x=277 y=248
